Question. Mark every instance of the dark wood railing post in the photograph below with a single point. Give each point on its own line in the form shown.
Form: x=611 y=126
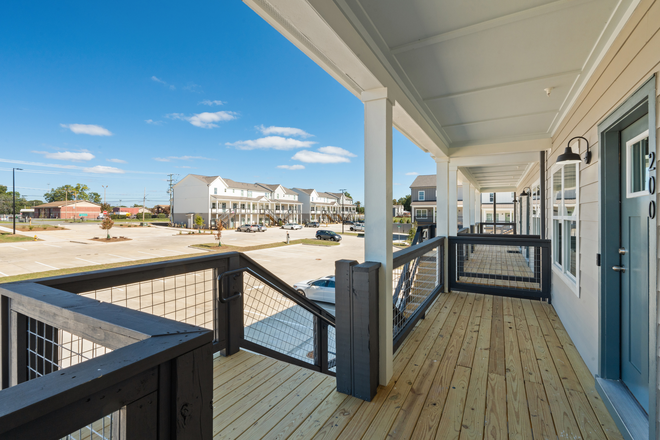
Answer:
x=321 y=344
x=356 y=294
x=18 y=350
x=229 y=315
x=5 y=330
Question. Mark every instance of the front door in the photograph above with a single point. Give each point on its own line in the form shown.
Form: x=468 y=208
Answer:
x=634 y=254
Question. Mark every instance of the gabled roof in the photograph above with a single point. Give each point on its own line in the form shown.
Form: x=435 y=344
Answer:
x=242 y=185
x=306 y=191
x=206 y=179
x=428 y=180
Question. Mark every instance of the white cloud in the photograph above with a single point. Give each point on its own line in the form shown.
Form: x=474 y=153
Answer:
x=274 y=142
x=214 y=102
x=412 y=174
x=291 y=167
x=192 y=87
x=100 y=169
x=92 y=130
x=316 y=157
x=284 y=131
x=158 y=80
x=116 y=160
x=336 y=151
x=75 y=156
x=152 y=122
x=205 y=119
x=173 y=158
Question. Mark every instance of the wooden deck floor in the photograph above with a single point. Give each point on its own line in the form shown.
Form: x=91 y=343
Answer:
x=477 y=367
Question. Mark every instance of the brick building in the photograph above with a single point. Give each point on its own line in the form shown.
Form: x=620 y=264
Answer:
x=69 y=209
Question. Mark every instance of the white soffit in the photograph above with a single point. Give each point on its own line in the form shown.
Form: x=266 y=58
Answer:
x=463 y=73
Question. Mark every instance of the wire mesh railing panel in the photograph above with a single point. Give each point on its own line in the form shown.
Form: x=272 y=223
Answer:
x=185 y=298
x=414 y=283
x=510 y=267
x=49 y=350
x=276 y=322
x=332 y=349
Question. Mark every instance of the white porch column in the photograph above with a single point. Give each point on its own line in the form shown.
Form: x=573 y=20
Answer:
x=378 y=225
x=442 y=188
x=467 y=203
x=452 y=208
x=477 y=207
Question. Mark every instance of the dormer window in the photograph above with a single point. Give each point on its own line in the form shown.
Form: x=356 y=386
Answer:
x=249 y=193
x=215 y=190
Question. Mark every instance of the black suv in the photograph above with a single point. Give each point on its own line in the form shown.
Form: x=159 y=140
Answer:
x=327 y=235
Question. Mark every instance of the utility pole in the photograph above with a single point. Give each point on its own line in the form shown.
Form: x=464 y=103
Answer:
x=342 y=210
x=75 y=198
x=144 y=203
x=170 y=191
x=104 y=188
x=13 y=175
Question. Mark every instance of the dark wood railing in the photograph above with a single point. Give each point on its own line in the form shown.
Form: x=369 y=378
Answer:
x=516 y=266
x=135 y=371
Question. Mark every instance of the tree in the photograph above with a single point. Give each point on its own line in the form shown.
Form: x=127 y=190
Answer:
x=347 y=195
x=106 y=225
x=199 y=220
x=106 y=207
x=405 y=201
x=69 y=192
x=3 y=189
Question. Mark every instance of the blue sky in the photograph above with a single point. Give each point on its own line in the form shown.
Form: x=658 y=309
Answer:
x=124 y=94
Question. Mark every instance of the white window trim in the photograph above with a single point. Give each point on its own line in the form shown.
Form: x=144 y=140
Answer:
x=426 y=216
x=572 y=282
x=532 y=204
x=630 y=143
x=421 y=196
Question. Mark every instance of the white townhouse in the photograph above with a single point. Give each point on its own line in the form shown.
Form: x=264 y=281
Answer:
x=325 y=206
x=233 y=203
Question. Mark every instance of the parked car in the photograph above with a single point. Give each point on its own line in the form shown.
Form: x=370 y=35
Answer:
x=359 y=227
x=327 y=235
x=348 y=222
x=321 y=289
x=100 y=217
x=260 y=228
x=247 y=228
x=292 y=226
x=313 y=225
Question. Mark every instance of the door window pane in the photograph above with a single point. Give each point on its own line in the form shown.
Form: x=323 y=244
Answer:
x=557 y=241
x=638 y=155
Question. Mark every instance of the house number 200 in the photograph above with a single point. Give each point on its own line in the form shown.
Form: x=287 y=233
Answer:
x=652 y=184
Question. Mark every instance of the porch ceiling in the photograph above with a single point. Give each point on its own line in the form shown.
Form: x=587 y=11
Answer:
x=468 y=77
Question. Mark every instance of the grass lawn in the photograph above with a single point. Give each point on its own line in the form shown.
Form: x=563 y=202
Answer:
x=230 y=248
x=353 y=234
x=6 y=237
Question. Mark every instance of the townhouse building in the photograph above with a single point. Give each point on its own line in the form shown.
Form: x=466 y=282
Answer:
x=326 y=207
x=221 y=200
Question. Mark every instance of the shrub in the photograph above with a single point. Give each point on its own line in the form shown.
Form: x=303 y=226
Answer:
x=161 y=216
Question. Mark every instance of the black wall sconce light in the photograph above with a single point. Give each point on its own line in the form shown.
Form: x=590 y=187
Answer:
x=525 y=192
x=570 y=157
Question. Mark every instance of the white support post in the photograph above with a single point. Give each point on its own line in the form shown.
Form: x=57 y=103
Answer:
x=442 y=200
x=477 y=207
x=467 y=203
x=378 y=225
x=452 y=207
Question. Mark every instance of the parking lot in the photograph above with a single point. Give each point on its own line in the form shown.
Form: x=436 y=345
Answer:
x=74 y=248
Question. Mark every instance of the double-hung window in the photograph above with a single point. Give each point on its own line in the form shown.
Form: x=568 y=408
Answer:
x=421 y=213
x=421 y=196
x=535 y=205
x=565 y=220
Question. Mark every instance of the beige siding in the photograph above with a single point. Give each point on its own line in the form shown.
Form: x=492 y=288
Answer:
x=633 y=58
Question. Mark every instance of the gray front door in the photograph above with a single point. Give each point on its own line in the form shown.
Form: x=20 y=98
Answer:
x=634 y=252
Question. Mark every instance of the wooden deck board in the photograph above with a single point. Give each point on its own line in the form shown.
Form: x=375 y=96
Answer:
x=477 y=367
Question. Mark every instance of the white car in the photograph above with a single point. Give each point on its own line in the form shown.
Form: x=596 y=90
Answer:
x=292 y=226
x=358 y=227
x=321 y=289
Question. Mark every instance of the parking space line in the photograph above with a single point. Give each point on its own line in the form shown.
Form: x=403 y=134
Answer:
x=82 y=259
x=4 y=274
x=52 y=267
x=16 y=247
x=129 y=259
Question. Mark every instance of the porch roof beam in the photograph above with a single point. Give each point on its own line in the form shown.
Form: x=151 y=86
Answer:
x=496 y=159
